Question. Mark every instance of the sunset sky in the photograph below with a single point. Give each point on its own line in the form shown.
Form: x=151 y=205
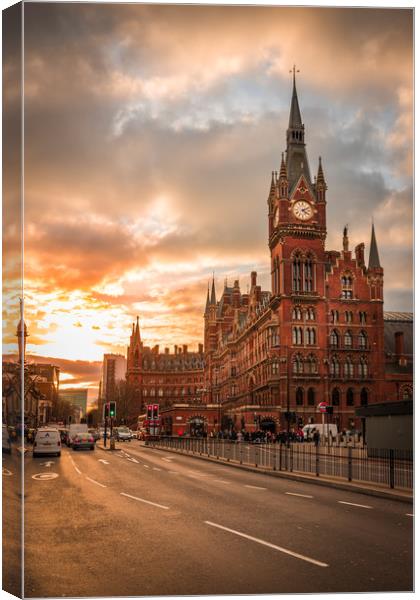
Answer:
x=151 y=134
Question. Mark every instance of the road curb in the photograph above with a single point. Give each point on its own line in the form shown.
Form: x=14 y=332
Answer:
x=349 y=487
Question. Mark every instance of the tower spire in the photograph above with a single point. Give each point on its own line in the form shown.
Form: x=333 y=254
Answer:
x=137 y=331
x=207 y=300
x=374 y=262
x=297 y=161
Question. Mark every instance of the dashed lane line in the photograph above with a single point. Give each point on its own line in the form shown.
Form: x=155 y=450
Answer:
x=146 y=466
x=269 y=545
x=134 y=460
x=97 y=482
x=255 y=487
x=353 y=504
x=166 y=460
x=145 y=501
x=222 y=481
x=300 y=495
x=156 y=469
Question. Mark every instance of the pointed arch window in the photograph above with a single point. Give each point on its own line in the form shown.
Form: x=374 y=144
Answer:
x=348 y=368
x=362 y=318
x=310 y=336
x=335 y=397
x=297 y=314
x=299 y=397
x=310 y=315
x=297 y=364
x=311 y=397
x=349 y=316
x=347 y=287
x=297 y=336
x=348 y=339
x=308 y=274
x=296 y=272
x=362 y=340
x=363 y=368
x=364 y=397
x=334 y=316
x=350 y=397
x=335 y=367
x=334 y=338
x=407 y=393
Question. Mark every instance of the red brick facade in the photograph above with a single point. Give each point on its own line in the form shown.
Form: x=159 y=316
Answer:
x=268 y=356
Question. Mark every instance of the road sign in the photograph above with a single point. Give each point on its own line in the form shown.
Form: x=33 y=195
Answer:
x=322 y=406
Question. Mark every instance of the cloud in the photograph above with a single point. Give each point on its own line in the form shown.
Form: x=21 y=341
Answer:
x=151 y=134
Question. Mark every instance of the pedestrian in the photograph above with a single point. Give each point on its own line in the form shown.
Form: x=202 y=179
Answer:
x=316 y=437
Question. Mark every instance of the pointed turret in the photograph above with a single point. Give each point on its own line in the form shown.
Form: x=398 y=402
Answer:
x=283 y=183
x=213 y=294
x=137 y=331
x=22 y=334
x=207 y=301
x=297 y=161
x=345 y=239
x=374 y=262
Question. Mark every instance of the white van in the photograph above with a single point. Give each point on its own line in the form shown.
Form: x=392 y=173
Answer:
x=323 y=430
x=47 y=441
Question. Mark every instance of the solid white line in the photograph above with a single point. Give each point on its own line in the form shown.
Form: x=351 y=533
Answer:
x=300 y=495
x=145 y=501
x=255 y=487
x=279 y=548
x=222 y=481
x=78 y=470
x=156 y=469
x=353 y=504
x=97 y=482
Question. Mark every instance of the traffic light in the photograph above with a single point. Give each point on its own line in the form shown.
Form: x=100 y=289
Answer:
x=106 y=410
x=155 y=411
x=329 y=410
x=112 y=409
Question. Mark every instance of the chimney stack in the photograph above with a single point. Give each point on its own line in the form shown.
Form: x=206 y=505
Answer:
x=253 y=278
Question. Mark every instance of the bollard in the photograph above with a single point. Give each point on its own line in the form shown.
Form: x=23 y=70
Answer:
x=112 y=444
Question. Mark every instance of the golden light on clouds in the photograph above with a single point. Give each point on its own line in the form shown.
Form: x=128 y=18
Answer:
x=151 y=134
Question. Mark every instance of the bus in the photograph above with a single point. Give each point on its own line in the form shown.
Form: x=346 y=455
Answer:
x=148 y=424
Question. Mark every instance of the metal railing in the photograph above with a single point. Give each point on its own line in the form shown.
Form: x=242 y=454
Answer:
x=380 y=467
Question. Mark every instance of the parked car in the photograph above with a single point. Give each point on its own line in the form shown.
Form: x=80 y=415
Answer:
x=47 y=441
x=95 y=433
x=83 y=440
x=122 y=434
x=5 y=439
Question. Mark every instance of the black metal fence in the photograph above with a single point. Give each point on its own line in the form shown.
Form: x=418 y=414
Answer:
x=380 y=467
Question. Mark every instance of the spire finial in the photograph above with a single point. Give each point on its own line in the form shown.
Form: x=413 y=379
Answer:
x=346 y=238
x=374 y=262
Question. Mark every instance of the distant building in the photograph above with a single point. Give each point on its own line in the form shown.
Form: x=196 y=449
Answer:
x=77 y=397
x=114 y=367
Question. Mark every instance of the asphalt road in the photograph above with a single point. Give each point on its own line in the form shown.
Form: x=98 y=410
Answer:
x=12 y=523
x=140 y=521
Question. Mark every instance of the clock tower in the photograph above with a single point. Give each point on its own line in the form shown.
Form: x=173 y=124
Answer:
x=296 y=214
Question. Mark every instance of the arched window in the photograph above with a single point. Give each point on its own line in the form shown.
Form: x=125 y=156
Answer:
x=310 y=336
x=407 y=393
x=311 y=397
x=297 y=336
x=334 y=316
x=311 y=364
x=346 y=287
x=297 y=364
x=297 y=314
x=349 y=316
x=299 y=397
x=348 y=368
x=363 y=368
x=363 y=340
x=334 y=338
x=308 y=275
x=350 y=397
x=311 y=314
x=335 y=397
x=296 y=272
x=348 y=340
x=364 y=397
x=335 y=367
x=362 y=318
x=136 y=358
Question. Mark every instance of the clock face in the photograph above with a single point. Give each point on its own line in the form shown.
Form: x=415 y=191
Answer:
x=302 y=210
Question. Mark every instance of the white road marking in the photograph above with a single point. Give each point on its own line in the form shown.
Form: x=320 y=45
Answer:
x=133 y=460
x=174 y=472
x=146 y=466
x=6 y=472
x=102 y=460
x=97 y=482
x=353 y=504
x=74 y=465
x=156 y=469
x=269 y=545
x=166 y=460
x=255 y=487
x=47 y=464
x=300 y=495
x=45 y=476
x=222 y=481
x=145 y=501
